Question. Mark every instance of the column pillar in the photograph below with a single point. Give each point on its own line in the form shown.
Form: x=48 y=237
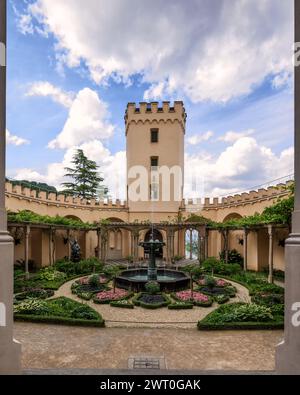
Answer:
x=199 y=246
x=26 y=250
x=172 y=244
x=288 y=355
x=226 y=235
x=50 y=246
x=191 y=243
x=135 y=245
x=69 y=244
x=168 y=234
x=271 y=253
x=246 y=232
x=104 y=235
x=10 y=350
x=206 y=243
x=99 y=244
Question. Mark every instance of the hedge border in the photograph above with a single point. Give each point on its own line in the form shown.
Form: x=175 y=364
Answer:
x=58 y=320
x=186 y=306
x=116 y=303
x=240 y=325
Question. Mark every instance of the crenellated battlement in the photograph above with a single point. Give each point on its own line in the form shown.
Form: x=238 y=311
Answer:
x=59 y=199
x=153 y=113
x=236 y=200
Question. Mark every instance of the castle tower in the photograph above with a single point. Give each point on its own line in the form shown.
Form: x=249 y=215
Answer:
x=155 y=157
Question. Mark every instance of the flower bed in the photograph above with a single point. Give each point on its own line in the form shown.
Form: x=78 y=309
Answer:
x=197 y=298
x=59 y=311
x=150 y=301
x=241 y=316
x=218 y=288
x=111 y=295
x=86 y=287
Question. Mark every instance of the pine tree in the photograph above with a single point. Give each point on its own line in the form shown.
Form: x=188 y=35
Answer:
x=85 y=176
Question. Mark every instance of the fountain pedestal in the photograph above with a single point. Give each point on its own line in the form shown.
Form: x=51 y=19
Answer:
x=152 y=246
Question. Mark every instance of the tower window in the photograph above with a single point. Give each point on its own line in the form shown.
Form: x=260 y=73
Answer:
x=154 y=135
x=154 y=161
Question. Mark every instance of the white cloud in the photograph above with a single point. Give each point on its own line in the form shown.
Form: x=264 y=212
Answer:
x=206 y=50
x=15 y=140
x=112 y=168
x=231 y=137
x=87 y=120
x=240 y=166
x=24 y=24
x=44 y=88
x=198 y=138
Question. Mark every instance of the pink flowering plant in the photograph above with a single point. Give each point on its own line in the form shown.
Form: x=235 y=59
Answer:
x=86 y=280
x=218 y=282
x=110 y=295
x=222 y=283
x=197 y=298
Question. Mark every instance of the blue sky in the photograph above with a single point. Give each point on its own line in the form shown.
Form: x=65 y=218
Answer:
x=67 y=68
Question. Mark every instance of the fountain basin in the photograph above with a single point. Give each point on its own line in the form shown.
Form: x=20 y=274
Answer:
x=169 y=280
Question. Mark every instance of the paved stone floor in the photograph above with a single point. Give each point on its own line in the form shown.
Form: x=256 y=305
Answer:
x=53 y=346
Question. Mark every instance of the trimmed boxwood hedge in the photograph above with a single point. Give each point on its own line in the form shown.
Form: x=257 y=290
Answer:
x=140 y=303
x=180 y=306
x=117 y=303
x=202 y=325
x=58 y=320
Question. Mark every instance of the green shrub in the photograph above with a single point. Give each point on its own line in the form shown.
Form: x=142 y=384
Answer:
x=221 y=299
x=218 y=267
x=241 y=312
x=83 y=312
x=241 y=316
x=277 y=310
x=230 y=291
x=267 y=299
x=197 y=272
x=233 y=257
x=50 y=274
x=86 y=266
x=210 y=282
x=35 y=293
x=152 y=287
x=270 y=288
x=94 y=280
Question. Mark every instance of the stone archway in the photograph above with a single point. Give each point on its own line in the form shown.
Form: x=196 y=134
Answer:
x=115 y=240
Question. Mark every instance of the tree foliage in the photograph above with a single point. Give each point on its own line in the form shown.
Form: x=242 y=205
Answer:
x=84 y=175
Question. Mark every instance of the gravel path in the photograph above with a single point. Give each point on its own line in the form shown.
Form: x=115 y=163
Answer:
x=158 y=318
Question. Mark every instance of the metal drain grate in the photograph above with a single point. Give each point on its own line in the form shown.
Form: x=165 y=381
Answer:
x=146 y=362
